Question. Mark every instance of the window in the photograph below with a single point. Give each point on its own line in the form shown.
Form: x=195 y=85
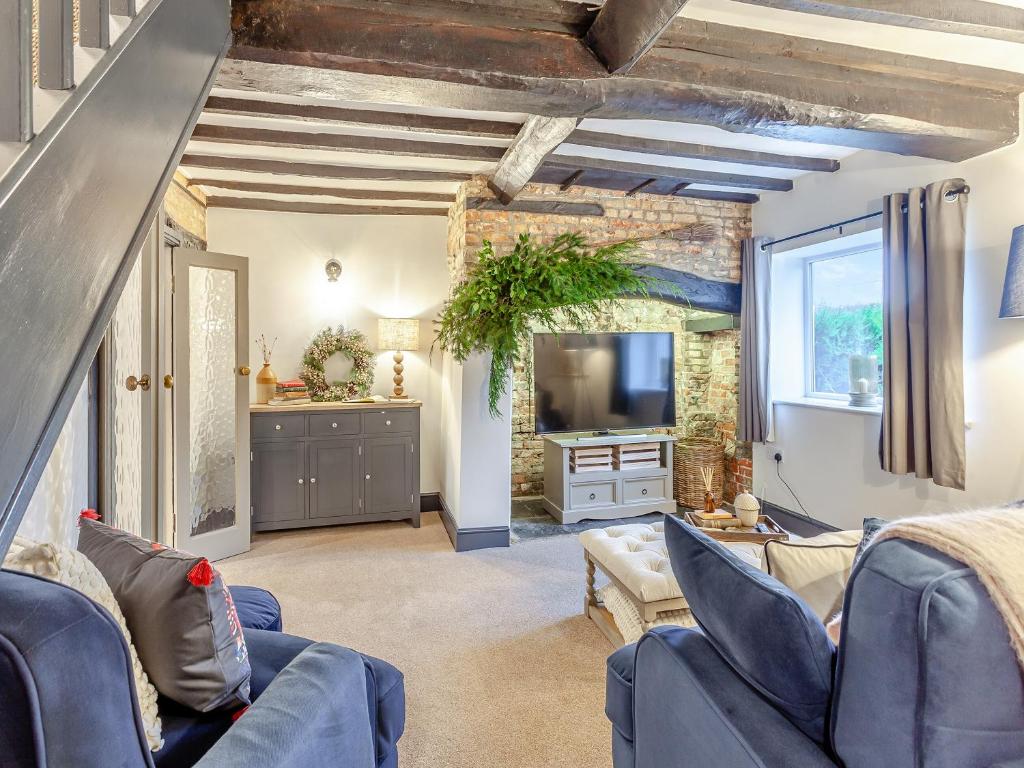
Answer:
x=843 y=333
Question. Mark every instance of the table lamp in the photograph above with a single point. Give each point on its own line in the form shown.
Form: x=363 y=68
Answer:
x=400 y=335
x=1013 y=288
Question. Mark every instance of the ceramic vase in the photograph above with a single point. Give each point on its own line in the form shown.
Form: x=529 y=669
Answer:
x=266 y=384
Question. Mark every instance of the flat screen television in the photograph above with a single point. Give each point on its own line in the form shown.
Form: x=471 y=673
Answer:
x=594 y=382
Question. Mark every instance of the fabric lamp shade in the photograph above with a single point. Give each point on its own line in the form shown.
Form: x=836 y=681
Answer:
x=1013 y=288
x=399 y=334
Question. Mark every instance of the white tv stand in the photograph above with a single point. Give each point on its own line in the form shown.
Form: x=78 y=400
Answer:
x=580 y=484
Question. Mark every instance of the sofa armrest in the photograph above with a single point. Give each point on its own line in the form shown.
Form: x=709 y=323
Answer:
x=689 y=702
x=313 y=714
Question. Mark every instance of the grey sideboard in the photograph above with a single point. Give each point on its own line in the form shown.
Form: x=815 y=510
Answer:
x=334 y=463
x=594 y=479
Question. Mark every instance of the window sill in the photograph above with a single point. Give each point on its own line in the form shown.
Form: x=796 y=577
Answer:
x=829 y=405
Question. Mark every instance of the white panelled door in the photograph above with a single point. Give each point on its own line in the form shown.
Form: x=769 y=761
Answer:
x=211 y=396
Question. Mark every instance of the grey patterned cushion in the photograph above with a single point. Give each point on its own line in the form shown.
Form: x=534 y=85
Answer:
x=180 y=614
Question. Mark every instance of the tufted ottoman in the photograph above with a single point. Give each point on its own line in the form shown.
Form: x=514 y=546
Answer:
x=642 y=591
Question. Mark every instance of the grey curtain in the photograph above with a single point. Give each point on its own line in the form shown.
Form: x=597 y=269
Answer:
x=754 y=421
x=922 y=327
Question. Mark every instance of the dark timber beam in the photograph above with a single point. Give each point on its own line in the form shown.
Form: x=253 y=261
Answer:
x=317 y=170
x=552 y=173
x=259 y=137
x=340 y=192
x=332 y=209
x=16 y=70
x=322 y=50
x=546 y=207
x=402 y=121
x=134 y=112
x=959 y=17
x=689 y=290
x=538 y=138
x=654 y=173
x=625 y=30
x=699 y=151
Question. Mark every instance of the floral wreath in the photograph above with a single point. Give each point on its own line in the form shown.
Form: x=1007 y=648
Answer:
x=353 y=345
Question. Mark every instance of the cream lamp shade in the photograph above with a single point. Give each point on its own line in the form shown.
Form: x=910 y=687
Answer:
x=398 y=334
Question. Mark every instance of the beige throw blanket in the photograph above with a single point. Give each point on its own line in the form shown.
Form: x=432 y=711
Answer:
x=989 y=541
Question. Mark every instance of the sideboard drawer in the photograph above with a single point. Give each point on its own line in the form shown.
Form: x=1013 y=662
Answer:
x=332 y=424
x=644 y=489
x=385 y=422
x=265 y=427
x=593 y=494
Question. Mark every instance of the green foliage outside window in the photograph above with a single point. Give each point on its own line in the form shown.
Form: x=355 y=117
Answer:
x=838 y=333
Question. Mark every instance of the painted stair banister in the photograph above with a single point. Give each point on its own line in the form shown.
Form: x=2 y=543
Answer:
x=75 y=209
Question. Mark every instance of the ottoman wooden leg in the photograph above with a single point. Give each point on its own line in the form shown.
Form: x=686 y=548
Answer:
x=590 y=601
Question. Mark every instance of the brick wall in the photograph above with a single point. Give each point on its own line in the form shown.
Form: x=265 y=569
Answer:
x=707 y=364
x=186 y=207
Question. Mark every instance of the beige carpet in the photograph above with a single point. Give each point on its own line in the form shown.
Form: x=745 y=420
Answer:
x=501 y=668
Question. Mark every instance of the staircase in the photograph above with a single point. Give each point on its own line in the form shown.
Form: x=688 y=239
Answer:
x=87 y=161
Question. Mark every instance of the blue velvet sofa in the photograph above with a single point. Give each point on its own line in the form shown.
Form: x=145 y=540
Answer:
x=66 y=684
x=924 y=677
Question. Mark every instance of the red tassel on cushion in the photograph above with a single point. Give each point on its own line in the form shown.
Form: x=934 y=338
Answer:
x=201 y=574
x=238 y=713
x=89 y=514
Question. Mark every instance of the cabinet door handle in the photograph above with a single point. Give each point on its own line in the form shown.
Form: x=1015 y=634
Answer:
x=643 y=492
x=367 y=477
x=300 y=481
x=334 y=425
x=277 y=427
x=592 y=496
x=313 y=480
x=387 y=423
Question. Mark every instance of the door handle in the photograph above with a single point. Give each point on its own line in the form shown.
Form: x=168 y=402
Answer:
x=132 y=383
x=312 y=480
x=245 y=370
x=168 y=381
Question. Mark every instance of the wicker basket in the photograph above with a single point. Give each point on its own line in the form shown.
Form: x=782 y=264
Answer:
x=691 y=454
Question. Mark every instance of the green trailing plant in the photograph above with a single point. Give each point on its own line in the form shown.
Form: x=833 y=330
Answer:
x=559 y=285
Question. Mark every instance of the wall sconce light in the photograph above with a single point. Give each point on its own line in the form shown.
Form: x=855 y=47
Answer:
x=333 y=270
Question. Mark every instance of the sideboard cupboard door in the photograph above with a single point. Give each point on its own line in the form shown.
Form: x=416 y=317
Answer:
x=279 y=477
x=334 y=481
x=388 y=474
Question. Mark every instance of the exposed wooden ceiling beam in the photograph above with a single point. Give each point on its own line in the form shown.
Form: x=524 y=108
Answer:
x=624 y=182
x=538 y=139
x=641 y=172
x=625 y=30
x=399 y=121
x=959 y=17
x=699 y=151
x=301 y=189
x=322 y=51
x=333 y=209
x=317 y=170
x=260 y=137
x=789 y=54
x=549 y=207
x=569 y=182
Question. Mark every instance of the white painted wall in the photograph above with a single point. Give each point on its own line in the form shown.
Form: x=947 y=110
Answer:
x=394 y=266
x=477 y=449
x=63 y=489
x=830 y=458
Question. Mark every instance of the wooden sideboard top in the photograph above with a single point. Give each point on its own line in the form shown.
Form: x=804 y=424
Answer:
x=314 y=407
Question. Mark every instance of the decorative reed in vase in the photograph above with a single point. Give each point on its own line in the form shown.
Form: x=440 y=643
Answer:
x=266 y=379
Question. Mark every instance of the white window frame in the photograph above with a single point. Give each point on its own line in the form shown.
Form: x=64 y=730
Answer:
x=839 y=253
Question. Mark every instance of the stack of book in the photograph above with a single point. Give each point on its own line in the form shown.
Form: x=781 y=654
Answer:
x=292 y=392
x=719 y=519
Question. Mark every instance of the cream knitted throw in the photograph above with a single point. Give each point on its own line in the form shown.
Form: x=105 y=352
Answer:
x=990 y=542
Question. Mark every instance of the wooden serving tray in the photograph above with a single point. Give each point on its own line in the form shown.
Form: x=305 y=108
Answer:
x=776 y=531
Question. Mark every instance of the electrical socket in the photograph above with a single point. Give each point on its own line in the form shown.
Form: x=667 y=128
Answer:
x=778 y=457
